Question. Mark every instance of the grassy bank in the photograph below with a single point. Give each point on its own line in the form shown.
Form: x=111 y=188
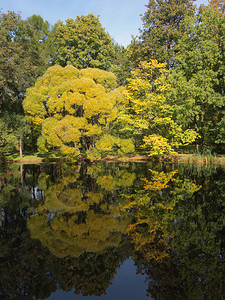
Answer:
x=34 y=158
x=197 y=159
x=178 y=158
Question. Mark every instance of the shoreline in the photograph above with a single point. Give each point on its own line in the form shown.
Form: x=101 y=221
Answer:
x=177 y=158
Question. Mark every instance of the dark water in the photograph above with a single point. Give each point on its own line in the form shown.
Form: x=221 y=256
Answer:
x=112 y=231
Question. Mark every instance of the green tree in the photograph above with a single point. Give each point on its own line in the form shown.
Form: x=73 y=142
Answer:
x=19 y=59
x=160 y=30
x=75 y=110
x=22 y=59
x=44 y=37
x=14 y=132
x=7 y=141
x=84 y=43
x=41 y=28
x=198 y=77
x=121 y=65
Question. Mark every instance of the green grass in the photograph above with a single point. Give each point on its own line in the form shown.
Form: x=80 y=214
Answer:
x=32 y=156
x=199 y=159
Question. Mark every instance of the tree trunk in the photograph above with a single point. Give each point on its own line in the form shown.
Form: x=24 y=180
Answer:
x=202 y=132
x=196 y=129
x=21 y=152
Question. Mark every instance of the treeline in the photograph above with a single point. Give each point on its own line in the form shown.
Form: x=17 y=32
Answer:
x=70 y=88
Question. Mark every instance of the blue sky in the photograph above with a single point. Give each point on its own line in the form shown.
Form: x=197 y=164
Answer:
x=120 y=18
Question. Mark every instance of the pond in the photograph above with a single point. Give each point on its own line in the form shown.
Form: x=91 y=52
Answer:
x=112 y=231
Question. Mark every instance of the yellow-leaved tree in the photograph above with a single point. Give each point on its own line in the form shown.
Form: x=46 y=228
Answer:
x=75 y=109
x=148 y=115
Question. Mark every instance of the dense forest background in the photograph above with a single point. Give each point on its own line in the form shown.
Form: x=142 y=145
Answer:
x=70 y=89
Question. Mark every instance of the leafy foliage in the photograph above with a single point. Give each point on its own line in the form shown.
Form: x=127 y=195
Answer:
x=198 y=80
x=19 y=57
x=84 y=43
x=160 y=30
x=22 y=59
x=149 y=114
x=74 y=109
x=14 y=131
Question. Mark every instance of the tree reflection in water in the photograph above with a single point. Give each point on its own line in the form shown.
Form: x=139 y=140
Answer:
x=71 y=227
x=178 y=233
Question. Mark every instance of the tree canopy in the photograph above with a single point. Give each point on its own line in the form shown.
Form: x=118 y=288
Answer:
x=148 y=114
x=160 y=30
x=84 y=43
x=20 y=59
x=75 y=110
x=198 y=76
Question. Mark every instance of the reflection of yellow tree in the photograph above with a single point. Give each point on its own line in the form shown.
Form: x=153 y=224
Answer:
x=120 y=178
x=79 y=214
x=62 y=195
x=152 y=212
x=65 y=235
x=68 y=200
x=110 y=183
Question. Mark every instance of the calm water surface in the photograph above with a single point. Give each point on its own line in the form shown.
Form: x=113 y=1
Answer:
x=112 y=231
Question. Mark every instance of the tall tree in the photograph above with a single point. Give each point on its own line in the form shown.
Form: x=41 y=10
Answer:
x=121 y=64
x=84 y=43
x=21 y=60
x=198 y=77
x=40 y=27
x=160 y=30
x=25 y=53
x=43 y=36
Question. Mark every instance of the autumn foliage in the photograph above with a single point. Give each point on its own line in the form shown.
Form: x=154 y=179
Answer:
x=75 y=109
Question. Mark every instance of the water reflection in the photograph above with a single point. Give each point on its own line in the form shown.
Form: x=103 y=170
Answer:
x=178 y=233
x=70 y=227
x=77 y=216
